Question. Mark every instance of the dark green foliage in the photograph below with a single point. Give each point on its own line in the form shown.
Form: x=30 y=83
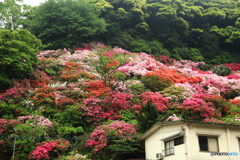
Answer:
x=71 y=115
x=138 y=88
x=120 y=76
x=148 y=117
x=8 y=110
x=231 y=94
x=154 y=83
x=205 y=67
x=17 y=55
x=126 y=149
x=64 y=23
x=222 y=70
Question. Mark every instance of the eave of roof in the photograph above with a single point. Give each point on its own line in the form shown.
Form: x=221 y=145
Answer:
x=158 y=125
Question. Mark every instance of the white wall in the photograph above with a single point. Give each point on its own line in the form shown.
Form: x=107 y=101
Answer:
x=154 y=145
x=227 y=142
x=224 y=145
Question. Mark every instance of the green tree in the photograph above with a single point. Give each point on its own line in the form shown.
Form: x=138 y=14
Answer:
x=12 y=13
x=17 y=55
x=149 y=116
x=64 y=23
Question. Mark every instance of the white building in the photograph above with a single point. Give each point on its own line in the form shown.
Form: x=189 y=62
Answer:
x=192 y=140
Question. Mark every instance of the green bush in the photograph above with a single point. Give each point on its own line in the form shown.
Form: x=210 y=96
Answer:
x=205 y=67
x=18 y=55
x=138 y=88
x=154 y=83
x=174 y=92
x=222 y=70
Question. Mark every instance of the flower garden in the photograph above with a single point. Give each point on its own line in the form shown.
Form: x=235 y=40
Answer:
x=96 y=102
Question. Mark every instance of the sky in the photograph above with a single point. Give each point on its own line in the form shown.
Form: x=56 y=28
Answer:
x=33 y=2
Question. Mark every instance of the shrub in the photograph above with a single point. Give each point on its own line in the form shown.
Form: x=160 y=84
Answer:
x=49 y=149
x=175 y=93
x=154 y=83
x=104 y=134
x=222 y=70
x=205 y=67
x=18 y=55
x=233 y=66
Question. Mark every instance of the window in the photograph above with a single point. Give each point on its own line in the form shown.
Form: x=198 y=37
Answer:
x=178 y=141
x=208 y=143
x=169 y=150
x=169 y=145
x=239 y=144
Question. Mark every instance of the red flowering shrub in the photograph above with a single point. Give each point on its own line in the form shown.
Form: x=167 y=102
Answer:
x=85 y=47
x=96 y=89
x=233 y=66
x=108 y=53
x=18 y=92
x=73 y=72
x=174 y=76
x=45 y=94
x=165 y=59
x=102 y=135
x=113 y=64
x=235 y=101
x=157 y=99
x=107 y=108
x=65 y=101
x=45 y=149
x=233 y=76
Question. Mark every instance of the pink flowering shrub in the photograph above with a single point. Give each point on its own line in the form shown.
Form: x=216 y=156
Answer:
x=121 y=51
x=46 y=150
x=53 y=53
x=174 y=117
x=93 y=109
x=3 y=123
x=139 y=68
x=157 y=99
x=211 y=84
x=101 y=137
x=84 y=56
x=187 y=64
x=234 y=76
x=19 y=91
x=36 y=119
x=198 y=108
x=214 y=120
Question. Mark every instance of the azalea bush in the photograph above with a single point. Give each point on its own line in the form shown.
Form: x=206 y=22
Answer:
x=104 y=135
x=50 y=149
x=110 y=95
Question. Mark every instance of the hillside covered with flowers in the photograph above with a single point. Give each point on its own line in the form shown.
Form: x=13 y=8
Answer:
x=95 y=102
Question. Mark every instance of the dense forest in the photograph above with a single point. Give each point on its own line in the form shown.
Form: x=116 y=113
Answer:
x=196 y=30
x=82 y=80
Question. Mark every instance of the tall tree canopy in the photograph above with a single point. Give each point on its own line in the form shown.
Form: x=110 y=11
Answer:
x=64 y=23
x=12 y=13
x=17 y=55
